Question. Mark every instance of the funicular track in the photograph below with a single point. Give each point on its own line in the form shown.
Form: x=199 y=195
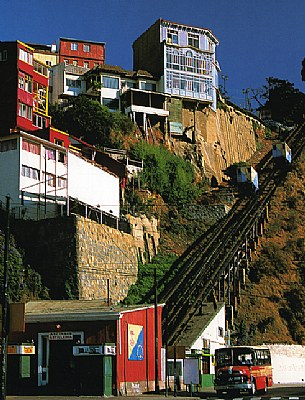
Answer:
x=192 y=279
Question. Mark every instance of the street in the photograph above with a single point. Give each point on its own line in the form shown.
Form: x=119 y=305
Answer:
x=277 y=392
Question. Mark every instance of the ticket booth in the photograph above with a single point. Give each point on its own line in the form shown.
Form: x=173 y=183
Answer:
x=20 y=364
x=98 y=359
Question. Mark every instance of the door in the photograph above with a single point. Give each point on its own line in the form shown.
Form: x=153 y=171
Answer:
x=58 y=352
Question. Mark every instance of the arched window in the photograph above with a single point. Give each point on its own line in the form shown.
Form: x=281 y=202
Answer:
x=175 y=60
x=189 y=61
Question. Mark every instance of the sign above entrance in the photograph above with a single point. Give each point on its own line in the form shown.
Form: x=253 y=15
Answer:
x=60 y=336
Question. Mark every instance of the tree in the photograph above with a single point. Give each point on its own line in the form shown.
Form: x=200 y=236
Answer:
x=23 y=282
x=285 y=103
x=87 y=119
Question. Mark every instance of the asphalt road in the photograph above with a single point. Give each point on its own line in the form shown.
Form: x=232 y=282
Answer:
x=277 y=392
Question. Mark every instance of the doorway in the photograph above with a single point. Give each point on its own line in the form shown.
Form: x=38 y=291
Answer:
x=56 y=365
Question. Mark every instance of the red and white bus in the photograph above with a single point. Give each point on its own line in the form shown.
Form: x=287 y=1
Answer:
x=242 y=368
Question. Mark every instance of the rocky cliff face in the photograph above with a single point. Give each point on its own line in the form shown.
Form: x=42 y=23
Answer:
x=213 y=141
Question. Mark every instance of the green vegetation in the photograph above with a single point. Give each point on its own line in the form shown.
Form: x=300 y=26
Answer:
x=164 y=173
x=160 y=263
x=23 y=282
x=88 y=120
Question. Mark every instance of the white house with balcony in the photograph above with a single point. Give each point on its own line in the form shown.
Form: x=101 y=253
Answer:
x=66 y=81
x=133 y=92
x=182 y=56
x=43 y=179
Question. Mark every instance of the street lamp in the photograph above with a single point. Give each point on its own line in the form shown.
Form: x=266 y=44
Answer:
x=224 y=78
x=247 y=100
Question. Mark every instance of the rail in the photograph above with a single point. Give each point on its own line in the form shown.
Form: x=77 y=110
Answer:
x=193 y=277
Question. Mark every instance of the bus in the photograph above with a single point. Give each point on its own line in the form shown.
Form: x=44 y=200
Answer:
x=242 y=369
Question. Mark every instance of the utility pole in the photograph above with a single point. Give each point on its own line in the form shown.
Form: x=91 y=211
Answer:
x=157 y=389
x=5 y=304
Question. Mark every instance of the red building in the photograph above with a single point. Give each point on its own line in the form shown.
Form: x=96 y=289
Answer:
x=83 y=347
x=81 y=53
x=23 y=89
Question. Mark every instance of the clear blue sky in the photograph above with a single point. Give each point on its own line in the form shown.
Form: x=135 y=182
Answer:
x=258 y=38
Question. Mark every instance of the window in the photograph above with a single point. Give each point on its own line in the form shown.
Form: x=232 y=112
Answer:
x=86 y=48
x=220 y=331
x=86 y=64
x=75 y=63
x=172 y=36
x=30 y=172
x=175 y=60
x=25 y=56
x=59 y=142
x=62 y=157
x=40 y=68
x=189 y=61
x=74 y=46
x=39 y=121
x=112 y=104
x=25 y=111
x=8 y=145
x=30 y=146
x=110 y=83
x=130 y=85
x=193 y=40
x=61 y=182
x=3 y=55
x=66 y=62
x=50 y=154
x=25 y=82
x=147 y=86
x=28 y=83
x=73 y=83
x=50 y=179
x=21 y=82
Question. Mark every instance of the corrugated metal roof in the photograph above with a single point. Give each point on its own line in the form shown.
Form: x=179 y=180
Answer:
x=72 y=310
x=198 y=324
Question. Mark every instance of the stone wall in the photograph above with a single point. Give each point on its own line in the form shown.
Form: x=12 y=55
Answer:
x=107 y=261
x=82 y=259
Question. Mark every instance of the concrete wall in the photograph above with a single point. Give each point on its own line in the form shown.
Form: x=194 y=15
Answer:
x=288 y=363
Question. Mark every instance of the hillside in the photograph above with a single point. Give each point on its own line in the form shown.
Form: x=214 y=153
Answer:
x=272 y=305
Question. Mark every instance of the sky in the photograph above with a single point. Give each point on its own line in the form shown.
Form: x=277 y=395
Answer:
x=257 y=38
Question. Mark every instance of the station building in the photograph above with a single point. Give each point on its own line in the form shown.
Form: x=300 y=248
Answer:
x=84 y=347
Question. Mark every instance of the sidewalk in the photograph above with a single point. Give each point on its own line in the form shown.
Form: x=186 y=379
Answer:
x=149 y=396
x=140 y=397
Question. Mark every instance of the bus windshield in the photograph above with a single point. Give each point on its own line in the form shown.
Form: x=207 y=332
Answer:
x=234 y=356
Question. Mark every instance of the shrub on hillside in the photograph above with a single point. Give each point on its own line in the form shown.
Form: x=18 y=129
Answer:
x=167 y=174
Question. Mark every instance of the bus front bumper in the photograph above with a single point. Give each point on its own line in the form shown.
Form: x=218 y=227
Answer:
x=233 y=386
